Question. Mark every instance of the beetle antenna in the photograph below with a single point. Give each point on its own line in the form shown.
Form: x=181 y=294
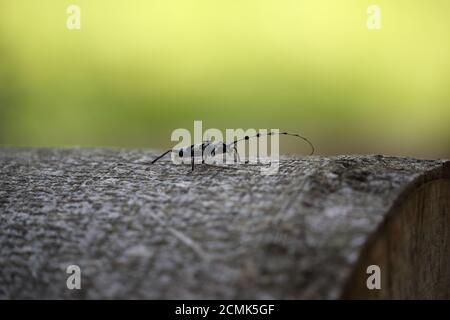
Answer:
x=279 y=133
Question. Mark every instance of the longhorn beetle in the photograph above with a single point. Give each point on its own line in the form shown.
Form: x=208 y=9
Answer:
x=215 y=148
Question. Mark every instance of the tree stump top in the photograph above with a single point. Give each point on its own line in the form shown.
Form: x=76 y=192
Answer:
x=160 y=231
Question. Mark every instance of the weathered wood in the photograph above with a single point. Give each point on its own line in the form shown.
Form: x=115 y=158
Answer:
x=141 y=231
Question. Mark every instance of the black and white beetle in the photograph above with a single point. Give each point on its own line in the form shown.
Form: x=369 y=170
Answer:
x=209 y=148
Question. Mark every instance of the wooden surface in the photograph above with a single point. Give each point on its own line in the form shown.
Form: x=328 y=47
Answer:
x=158 y=231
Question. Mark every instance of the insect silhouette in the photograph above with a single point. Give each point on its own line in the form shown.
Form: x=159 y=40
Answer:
x=210 y=148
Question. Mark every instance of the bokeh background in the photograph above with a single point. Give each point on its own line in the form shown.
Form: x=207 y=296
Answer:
x=139 y=69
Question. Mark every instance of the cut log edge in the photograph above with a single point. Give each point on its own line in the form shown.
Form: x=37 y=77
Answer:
x=355 y=287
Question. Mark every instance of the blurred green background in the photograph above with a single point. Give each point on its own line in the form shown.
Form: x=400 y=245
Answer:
x=139 y=69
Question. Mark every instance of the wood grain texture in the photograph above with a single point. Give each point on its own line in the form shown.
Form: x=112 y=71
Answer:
x=158 y=231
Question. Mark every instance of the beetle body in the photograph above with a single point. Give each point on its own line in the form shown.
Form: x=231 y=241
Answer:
x=208 y=149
